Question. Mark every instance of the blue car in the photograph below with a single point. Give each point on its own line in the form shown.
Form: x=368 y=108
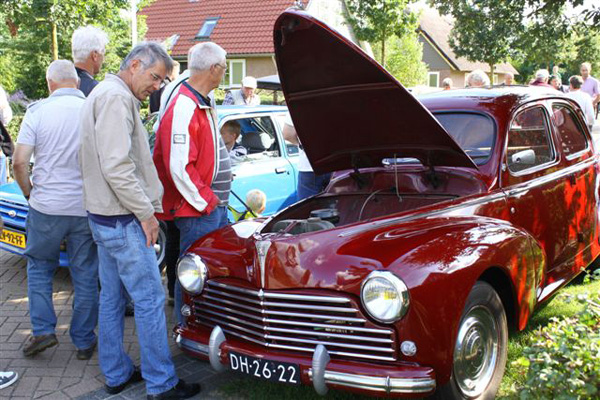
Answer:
x=270 y=165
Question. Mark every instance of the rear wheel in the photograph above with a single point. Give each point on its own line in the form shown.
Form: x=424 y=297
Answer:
x=480 y=349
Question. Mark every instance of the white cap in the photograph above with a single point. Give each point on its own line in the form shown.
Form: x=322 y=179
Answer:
x=249 y=82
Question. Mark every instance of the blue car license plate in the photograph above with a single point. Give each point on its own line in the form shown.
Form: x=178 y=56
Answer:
x=275 y=371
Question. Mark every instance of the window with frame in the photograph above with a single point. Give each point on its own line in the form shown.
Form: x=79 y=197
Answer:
x=569 y=129
x=236 y=71
x=433 y=79
x=258 y=138
x=207 y=27
x=529 y=141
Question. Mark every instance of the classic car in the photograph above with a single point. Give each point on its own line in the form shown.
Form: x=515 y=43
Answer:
x=270 y=168
x=449 y=220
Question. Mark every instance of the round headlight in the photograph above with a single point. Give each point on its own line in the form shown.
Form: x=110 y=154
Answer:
x=192 y=273
x=384 y=296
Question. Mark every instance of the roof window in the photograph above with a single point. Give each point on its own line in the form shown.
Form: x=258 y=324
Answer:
x=207 y=28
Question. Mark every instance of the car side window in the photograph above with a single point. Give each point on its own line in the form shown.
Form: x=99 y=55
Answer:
x=569 y=129
x=290 y=148
x=529 y=142
x=258 y=139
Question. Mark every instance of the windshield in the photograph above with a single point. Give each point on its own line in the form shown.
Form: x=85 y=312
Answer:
x=474 y=133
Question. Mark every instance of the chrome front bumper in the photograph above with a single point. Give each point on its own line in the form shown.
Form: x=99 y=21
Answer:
x=319 y=374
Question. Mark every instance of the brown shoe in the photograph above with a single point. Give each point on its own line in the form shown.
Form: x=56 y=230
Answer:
x=37 y=344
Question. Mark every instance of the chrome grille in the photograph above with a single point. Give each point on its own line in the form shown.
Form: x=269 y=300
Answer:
x=296 y=322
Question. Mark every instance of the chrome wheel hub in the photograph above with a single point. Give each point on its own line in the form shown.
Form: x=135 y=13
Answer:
x=476 y=351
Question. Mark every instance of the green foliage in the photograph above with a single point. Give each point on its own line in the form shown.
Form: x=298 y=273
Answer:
x=375 y=21
x=404 y=60
x=25 y=37
x=484 y=30
x=563 y=358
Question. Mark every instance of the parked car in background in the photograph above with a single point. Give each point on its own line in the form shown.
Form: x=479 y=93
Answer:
x=456 y=218
x=271 y=169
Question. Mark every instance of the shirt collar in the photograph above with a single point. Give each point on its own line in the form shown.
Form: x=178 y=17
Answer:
x=68 y=92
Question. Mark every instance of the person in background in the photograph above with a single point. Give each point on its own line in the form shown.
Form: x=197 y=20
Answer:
x=309 y=183
x=230 y=131
x=6 y=115
x=590 y=85
x=122 y=194
x=541 y=78
x=477 y=78
x=88 y=46
x=50 y=130
x=191 y=158
x=155 y=97
x=509 y=79
x=584 y=101
x=554 y=81
x=245 y=96
x=447 y=84
x=556 y=73
x=256 y=199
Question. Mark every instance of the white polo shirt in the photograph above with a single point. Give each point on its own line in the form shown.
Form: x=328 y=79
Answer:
x=51 y=126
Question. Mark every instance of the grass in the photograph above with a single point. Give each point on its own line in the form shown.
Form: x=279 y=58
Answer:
x=514 y=376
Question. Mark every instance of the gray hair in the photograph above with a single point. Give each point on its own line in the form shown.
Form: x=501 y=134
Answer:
x=87 y=39
x=587 y=65
x=542 y=74
x=477 y=78
x=61 y=70
x=204 y=55
x=507 y=74
x=148 y=53
x=447 y=83
x=576 y=81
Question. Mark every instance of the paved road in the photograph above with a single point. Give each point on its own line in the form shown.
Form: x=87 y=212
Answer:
x=57 y=373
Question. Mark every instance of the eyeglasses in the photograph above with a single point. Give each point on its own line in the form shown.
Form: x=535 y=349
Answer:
x=156 y=78
x=224 y=66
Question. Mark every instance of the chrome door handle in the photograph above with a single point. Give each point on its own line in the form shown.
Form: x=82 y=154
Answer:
x=280 y=170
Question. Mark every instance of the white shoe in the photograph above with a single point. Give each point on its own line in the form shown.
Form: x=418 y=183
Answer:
x=7 y=379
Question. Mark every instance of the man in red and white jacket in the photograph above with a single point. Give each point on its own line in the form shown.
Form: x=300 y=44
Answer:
x=190 y=155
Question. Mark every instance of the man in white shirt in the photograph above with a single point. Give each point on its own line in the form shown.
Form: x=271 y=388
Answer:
x=50 y=130
x=244 y=96
x=583 y=99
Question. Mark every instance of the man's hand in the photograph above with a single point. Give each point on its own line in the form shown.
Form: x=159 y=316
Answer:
x=150 y=227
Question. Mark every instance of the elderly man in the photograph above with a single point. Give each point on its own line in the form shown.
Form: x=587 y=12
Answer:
x=590 y=85
x=56 y=212
x=88 y=45
x=582 y=98
x=447 y=84
x=541 y=78
x=191 y=158
x=477 y=78
x=244 y=96
x=122 y=193
x=509 y=79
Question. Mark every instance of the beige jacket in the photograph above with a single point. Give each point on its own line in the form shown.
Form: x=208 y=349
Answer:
x=119 y=176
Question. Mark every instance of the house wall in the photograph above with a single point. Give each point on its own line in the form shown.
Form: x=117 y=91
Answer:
x=431 y=57
x=260 y=66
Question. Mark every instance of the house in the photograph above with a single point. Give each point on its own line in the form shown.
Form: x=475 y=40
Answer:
x=434 y=31
x=244 y=28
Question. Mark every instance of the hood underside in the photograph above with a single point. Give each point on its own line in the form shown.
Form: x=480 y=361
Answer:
x=348 y=111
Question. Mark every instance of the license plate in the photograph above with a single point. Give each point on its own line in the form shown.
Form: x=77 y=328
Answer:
x=13 y=238
x=274 y=371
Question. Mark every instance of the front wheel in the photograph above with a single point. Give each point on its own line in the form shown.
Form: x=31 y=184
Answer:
x=480 y=349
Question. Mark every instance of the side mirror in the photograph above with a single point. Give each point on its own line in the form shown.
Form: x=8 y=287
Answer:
x=525 y=157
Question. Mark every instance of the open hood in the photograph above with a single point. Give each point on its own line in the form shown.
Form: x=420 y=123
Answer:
x=349 y=112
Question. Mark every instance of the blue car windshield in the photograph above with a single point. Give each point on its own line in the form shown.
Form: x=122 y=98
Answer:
x=474 y=133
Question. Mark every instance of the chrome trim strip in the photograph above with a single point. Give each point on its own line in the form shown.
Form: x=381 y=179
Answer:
x=325 y=343
x=257 y=293
x=191 y=345
x=318 y=316
x=378 y=383
x=234 y=326
x=329 y=334
x=235 y=319
x=233 y=296
x=309 y=307
x=317 y=325
x=233 y=303
x=338 y=353
x=238 y=312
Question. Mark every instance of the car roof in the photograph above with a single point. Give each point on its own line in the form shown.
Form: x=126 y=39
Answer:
x=227 y=111
x=510 y=97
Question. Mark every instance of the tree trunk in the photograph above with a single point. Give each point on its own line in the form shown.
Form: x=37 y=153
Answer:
x=54 y=42
x=492 y=69
x=383 y=53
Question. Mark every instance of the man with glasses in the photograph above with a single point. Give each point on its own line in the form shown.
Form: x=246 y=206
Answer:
x=122 y=192
x=88 y=45
x=191 y=158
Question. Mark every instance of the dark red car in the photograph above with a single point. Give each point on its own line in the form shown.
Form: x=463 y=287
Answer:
x=456 y=217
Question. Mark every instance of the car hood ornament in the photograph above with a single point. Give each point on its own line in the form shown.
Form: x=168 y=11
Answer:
x=262 y=247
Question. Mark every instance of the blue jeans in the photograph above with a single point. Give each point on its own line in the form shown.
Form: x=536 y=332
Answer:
x=44 y=235
x=190 y=230
x=310 y=184
x=127 y=265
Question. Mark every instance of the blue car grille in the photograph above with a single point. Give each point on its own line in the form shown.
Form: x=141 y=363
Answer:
x=13 y=214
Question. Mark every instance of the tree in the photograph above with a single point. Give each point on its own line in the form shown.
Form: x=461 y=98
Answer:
x=37 y=31
x=405 y=59
x=375 y=21
x=484 y=30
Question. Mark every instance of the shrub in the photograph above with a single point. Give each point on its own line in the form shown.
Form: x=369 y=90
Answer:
x=563 y=359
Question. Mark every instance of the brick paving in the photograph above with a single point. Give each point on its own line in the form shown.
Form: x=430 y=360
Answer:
x=56 y=373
